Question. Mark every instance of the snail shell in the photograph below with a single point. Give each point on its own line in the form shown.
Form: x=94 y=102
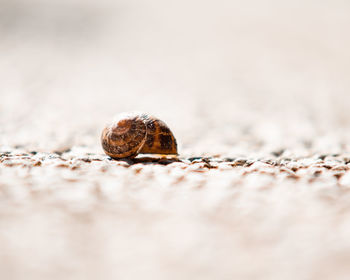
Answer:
x=133 y=133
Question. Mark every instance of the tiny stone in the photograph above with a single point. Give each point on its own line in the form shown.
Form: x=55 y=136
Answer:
x=278 y=153
x=195 y=158
x=239 y=162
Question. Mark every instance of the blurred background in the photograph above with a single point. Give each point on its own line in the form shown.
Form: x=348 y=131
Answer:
x=272 y=73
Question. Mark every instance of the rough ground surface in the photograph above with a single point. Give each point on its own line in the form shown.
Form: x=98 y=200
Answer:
x=257 y=95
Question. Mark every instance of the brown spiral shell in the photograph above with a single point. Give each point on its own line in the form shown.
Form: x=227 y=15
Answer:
x=133 y=133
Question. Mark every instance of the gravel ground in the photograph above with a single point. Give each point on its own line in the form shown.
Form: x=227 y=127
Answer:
x=257 y=95
x=82 y=215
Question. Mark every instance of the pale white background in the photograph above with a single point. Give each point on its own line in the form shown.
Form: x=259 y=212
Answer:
x=213 y=70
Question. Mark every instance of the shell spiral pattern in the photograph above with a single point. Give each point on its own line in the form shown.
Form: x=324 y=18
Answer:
x=133 y=133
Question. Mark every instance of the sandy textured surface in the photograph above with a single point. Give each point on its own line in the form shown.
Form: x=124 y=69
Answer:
x=257 y=94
